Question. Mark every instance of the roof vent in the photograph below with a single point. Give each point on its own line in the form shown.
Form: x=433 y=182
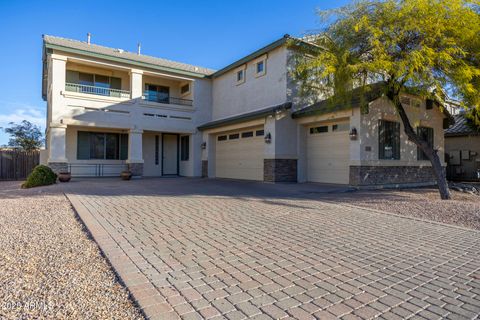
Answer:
x=139 y=48
x=119 y=50
x=89 y=37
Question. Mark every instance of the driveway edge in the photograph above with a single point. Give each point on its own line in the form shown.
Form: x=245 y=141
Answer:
x=149 y=300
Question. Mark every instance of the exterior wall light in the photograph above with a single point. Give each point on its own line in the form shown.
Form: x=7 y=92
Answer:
x=353 y=134
x=268 y=138
x=203 y=145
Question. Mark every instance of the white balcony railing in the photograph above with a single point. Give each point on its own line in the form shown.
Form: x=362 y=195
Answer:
x=99 y=91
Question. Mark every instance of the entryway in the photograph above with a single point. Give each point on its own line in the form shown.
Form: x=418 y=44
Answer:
x=169 y=154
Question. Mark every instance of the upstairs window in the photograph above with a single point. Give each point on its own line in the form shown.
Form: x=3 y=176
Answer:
x=425 y=134
x=157 y=93
x=260 y=66
x=240 y=76
x=388 y=140
x=92 y=83
x=185 y=89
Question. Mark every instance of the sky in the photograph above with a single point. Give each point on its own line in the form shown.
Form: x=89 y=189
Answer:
x=206 y=33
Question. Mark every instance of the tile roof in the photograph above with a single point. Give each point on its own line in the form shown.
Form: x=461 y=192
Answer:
x=256 y=114
x=461 y=127
x=118 y=53
x=356 y=98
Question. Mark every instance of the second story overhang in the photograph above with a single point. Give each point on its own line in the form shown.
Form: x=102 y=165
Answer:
x=82 y=53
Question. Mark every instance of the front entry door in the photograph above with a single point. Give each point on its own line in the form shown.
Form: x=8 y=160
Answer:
x=170 y=154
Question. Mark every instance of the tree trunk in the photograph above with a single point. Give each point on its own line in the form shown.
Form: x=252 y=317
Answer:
x=430 y=152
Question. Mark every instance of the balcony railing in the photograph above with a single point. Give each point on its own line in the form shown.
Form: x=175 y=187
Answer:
x=165 y=98
x=99 y=91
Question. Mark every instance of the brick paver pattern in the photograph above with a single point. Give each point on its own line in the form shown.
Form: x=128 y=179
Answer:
x=214 y=255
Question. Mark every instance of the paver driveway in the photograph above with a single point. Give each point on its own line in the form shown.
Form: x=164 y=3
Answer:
x=195 y=248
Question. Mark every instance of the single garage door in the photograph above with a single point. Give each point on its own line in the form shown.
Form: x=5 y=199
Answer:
x=328 y=153
x=239 y=155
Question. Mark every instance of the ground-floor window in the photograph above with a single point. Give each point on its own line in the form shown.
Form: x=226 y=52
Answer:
x=425 y=134
x=184 y=148
x=388 y=140
x=102 y=146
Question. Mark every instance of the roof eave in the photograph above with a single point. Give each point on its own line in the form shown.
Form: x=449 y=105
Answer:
x=123 y=60
x=252 y=56
x=244 y=117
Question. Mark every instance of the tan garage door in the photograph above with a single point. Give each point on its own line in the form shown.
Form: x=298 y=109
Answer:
x=328 y=153
x=239 y=155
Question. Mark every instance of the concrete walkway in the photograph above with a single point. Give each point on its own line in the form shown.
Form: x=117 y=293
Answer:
x=193 y=249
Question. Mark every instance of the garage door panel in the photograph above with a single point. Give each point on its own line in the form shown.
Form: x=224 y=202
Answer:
x=328 y=157
x=240 y=158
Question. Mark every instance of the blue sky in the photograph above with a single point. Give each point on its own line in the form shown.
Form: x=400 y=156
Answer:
x=205 y=33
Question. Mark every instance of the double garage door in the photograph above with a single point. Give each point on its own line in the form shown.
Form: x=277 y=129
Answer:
x=239 y=154
x=328 y=153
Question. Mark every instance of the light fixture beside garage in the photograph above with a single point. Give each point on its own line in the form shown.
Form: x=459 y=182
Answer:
x=353 y=133
x=203 y=145
x=268 y=137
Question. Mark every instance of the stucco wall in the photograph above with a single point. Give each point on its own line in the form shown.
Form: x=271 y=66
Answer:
x=230 y=98
x=383 y=109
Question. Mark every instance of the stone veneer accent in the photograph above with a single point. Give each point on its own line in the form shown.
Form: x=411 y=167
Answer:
x=136 y=169
x=204 y=168
x=58 y=166
x=387 y=175
x=280 y=170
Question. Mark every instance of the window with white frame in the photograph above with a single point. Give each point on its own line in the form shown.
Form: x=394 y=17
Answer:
x=240 y=75
x=260 y=66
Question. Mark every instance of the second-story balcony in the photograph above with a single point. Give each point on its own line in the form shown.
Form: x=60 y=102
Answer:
x=162 y=97
x=96 y=90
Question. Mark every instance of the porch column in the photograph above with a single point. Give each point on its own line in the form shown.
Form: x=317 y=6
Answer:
x=135 y=153
x=136 y=87
x=57 y=159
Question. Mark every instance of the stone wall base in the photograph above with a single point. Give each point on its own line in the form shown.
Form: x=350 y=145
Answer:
x=204 y=168
x=280 y=170
x=394 y=175
x=136 y=169
x=58 y=166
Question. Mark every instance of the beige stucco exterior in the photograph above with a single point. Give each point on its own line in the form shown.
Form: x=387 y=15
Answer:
x=215 y=97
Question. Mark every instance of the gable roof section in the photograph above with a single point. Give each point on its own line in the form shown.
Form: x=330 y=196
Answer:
x=253 y=55
x=461 y=128
x=80 y=47
x=358 y=97
x=245 y=116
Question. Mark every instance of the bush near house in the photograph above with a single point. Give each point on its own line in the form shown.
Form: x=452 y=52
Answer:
x=40 y=176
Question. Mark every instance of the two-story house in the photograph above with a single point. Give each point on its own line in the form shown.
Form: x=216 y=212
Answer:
x=109 y=110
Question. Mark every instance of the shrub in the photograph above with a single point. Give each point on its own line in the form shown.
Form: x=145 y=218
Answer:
x=40 y=176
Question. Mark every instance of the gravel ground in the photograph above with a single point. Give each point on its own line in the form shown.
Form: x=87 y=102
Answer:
x=463 y=210
x=49 y=266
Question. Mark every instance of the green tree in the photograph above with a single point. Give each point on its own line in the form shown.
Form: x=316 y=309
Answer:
x=427 y=47
x=24 y=135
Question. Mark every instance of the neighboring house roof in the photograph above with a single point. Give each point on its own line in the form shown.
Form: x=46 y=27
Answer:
x=245 y=116
x=356 y=99
x=461 y=128
x=75 y=46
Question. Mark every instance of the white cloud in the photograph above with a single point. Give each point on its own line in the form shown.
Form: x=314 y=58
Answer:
x=17 y=112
